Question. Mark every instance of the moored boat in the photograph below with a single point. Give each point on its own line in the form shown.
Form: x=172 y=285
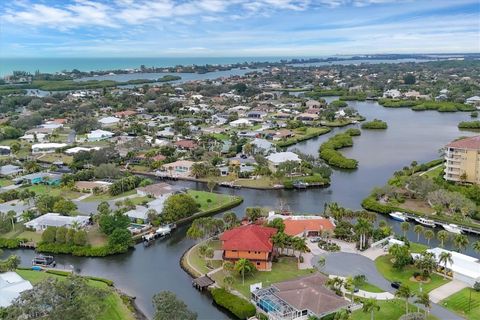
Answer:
x=399 y=216
x=453 y=228
x=425 y=222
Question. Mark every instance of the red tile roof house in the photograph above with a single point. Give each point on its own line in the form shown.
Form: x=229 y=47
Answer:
x=252 y=242
x=186 y=144
x=307 y=227
x=124 y=114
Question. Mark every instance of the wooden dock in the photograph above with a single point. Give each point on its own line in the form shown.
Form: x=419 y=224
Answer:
x=202 y=282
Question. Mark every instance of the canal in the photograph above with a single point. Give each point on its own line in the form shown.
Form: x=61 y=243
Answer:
x=410 y=136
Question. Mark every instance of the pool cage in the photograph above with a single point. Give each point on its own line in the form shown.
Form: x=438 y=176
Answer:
x=277 y=309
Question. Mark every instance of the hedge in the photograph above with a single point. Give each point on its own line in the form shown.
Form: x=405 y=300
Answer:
x=469 y=125
x=86 y=251
x=11 y=243
x=241 y=308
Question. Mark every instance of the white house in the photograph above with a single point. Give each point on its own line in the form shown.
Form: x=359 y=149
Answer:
x=11 y=285
x=48 y=147
x=464 y=268
x=30 y=137
x=108 y=121
x=98 y=135
x=240 y=123
x=392 y=93
x=76 y=150
x=276 y=159
x=473 y=100
x=56 y=220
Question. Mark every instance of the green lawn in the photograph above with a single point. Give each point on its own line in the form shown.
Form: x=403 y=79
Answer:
x=199 y=262
x=216 y=199
x=461 y=304
x=435 y=172
x=114 y=309
x=285 y=269
x=370 y=288
x=108 y=197
x=389 y=309
x=5 y=182
x=40 y=189
x=56 y=157
x=384 y=266
x=417 y=247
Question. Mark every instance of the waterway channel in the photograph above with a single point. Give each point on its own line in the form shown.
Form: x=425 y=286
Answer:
x=410 y=136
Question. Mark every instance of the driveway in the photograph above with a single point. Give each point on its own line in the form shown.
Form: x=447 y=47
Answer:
x=446 y=290
x=350 y=264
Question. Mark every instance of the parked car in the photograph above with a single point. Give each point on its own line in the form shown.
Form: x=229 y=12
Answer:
x=315 y=239
x=396 y=284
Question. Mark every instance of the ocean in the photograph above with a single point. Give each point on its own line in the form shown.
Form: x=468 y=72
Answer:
x=51 y=65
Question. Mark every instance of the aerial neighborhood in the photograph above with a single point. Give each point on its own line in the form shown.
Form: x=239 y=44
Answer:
x=246 y=178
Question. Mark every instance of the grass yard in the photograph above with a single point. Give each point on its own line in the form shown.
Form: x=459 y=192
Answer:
x=384 y=266
x=370 y=288
x=285 y=269
x=460 y=303
x=389 y=309
x=40 y=189
x=5 y=182
x=20 y=232
x=55 y=157
x=95 y=237
x=108 y=197
x=202 y=197
x=114 y=309
x=434 y=172
x=417 y=247
x=199 y=262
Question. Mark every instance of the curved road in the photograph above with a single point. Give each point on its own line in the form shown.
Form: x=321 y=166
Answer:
x=351 y=264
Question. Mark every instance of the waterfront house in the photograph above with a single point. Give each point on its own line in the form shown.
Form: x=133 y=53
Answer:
x=262 y=146
x=5 y=150
x=98 y=135
x=475 y=100
x=307 y=226
x=178 y=168
x=299 y=299
x=313 y=104
x=307 y=117
x=49 y=147
x=11 y=286
x=91 y=186
x=461 y=159
x=252 y=242
x=76 y=150
x=157 y=190
x=392 y=93
x=56 y=220
x=276 y=159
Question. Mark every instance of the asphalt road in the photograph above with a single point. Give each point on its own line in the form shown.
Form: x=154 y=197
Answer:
x=351 y=264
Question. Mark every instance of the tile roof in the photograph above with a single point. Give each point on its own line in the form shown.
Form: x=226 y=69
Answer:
x=295 y=227
x=467 y=143
x=248 y=238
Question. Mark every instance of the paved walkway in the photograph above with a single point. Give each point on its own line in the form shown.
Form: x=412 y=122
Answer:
x=367 y=294
x=446 y=290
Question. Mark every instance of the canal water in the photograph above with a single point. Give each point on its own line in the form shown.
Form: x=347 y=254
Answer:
x=410 y=136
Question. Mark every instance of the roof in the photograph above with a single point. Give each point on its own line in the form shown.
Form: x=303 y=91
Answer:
x=125 y=113
x=56 y=220
x=11 y=285
x=48 y=145
x=280 y=157
x=9 y=169
x=158 y=189
x=187 y=144
x=295 y=227
x=467 y=143
x=109 y=120
x=310 y=293
x=462 y=263
x=248 y=238
x=99 y=133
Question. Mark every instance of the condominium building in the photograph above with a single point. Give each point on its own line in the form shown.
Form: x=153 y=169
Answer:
x=462 y=160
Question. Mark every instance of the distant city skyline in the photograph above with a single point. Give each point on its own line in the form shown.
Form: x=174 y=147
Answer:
x=236 y=28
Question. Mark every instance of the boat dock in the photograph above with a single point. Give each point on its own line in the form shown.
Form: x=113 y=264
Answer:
x=441 y=224
x=202 y=282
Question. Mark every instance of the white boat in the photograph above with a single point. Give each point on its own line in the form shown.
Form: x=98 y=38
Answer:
x=453 y=228
x=426 y=222
x=163 y=231
x=399 y=216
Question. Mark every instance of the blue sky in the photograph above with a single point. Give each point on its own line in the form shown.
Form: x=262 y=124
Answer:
x=196 y=28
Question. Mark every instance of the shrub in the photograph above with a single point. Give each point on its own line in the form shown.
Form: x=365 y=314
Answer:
x=241 y=308
x=375 y=124
x=469 y=125
x=11 y=243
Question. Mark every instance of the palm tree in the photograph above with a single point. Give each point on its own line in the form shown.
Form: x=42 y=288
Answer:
x=404 y=292
x=476 y=246
x=244 y=266
x=300 y=245
x=445 y=258
x=429 y=234
x=228 y=266
x=443 y=237
x=370 y=305
x=280 y=241
x=11 y=216
x=349 y=285
x=460 y=242
x=343 y=315
x=362 y=229
x=418 y=229
x=228 y=281
x=424 y=299
x=405 y=226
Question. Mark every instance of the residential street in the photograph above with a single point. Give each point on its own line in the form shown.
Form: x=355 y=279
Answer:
x=348 y=264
